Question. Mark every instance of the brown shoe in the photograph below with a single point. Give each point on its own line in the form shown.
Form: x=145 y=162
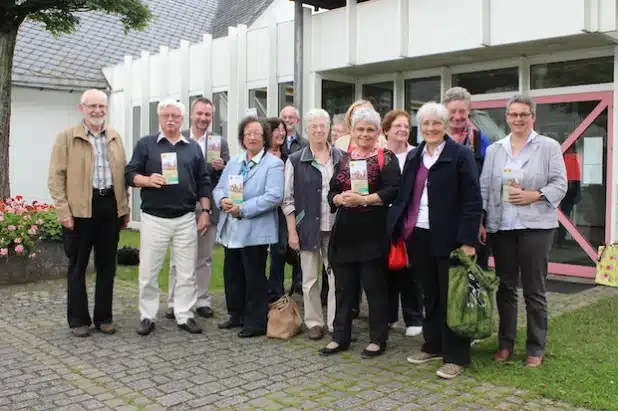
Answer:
x=81 y=332
x=315 y=333
x=533 y=362
x=503 y=355
x=108 y=329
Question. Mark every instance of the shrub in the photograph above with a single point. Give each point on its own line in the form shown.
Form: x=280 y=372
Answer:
x=23 y=225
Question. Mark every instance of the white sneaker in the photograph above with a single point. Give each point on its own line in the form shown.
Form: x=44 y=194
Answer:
x=414 y=331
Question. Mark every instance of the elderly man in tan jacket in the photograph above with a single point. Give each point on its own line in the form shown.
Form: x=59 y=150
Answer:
x=86 y=181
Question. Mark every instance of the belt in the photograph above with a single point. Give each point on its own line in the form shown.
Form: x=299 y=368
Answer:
x=103 y=192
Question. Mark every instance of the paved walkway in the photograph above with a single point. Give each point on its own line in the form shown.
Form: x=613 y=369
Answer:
x=43 y=368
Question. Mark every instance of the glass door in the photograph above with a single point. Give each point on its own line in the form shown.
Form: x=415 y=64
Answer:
x=581 y=123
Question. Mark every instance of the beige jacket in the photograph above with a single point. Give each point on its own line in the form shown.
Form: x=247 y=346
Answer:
x=71 y=172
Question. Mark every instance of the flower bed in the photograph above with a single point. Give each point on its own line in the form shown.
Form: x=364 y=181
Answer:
x=30 y=242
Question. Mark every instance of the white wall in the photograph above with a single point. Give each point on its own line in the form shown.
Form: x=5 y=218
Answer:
x=36 y=117
x=280 y=10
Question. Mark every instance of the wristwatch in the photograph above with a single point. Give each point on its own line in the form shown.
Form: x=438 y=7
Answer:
x=206 y=210
x=541 y=196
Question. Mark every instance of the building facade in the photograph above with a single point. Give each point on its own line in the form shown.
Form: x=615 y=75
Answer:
x=402 y=53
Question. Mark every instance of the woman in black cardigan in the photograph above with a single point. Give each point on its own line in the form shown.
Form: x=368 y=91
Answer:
x=438 y=209
x=358 y=243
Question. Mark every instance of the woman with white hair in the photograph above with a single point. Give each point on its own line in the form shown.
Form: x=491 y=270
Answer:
x=310 y=218
x=438 y=209
x=365 y=182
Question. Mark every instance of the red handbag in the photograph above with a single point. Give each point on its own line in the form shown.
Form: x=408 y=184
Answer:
x=397 y=256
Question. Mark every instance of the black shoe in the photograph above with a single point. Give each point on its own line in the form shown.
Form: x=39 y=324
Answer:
x=229 y=324
x=330 y=351
x=251 y=333
x=145 y=327
x=190 y=326
x=205 y=312
x=169 y=314
x=371 y=354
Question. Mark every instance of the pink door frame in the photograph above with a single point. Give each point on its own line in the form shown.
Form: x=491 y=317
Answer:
x=605 y=101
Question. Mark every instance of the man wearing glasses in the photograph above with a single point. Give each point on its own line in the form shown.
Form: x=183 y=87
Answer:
x=86 y=181
x=172 y=173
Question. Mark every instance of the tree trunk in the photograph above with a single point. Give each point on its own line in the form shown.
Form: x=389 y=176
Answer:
x=8 y=37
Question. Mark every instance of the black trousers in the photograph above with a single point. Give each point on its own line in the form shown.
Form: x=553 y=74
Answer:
x=404 y=285
x=433 y=271
x=246 y=286
x=525 y=253
x=372 y=276
x=100 y=232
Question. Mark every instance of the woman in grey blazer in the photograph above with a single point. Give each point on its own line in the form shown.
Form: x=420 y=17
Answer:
x=522 y=184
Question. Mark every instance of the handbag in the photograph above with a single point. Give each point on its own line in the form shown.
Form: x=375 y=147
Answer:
x=607 y=265
x=284 y=320
x=397 y=256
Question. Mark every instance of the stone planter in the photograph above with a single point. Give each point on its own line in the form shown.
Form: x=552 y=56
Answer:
x=49 y=263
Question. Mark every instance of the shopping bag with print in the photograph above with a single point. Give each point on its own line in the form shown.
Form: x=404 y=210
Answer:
x=607 y=265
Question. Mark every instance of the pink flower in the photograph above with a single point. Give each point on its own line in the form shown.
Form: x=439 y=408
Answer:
x=4 y=251
x=32 y=255
x=39 y=221
x=32 y=231
x=33 y=227
x=2 y=217
x=17 y=240
x=19 y=248
x=11 y=228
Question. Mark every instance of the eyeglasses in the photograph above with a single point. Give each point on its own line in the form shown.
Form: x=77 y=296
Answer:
x=173 y=116
x=520 y=115
x=95 y=106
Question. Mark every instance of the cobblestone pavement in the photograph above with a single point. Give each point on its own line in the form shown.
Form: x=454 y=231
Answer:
x=42 y=367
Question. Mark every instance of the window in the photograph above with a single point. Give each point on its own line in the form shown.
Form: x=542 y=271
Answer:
x=154 y=118
x=337 y=96
x=286 y=94
x=490 y=81
x=219 y=122
x=257 y=100
x=418 y=92
x=137 y=134
x=381 y=96
x=572 y=73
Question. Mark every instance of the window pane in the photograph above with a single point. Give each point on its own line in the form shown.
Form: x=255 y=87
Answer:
x=337 y=96
x=137 y=134
x=418 y=92
x=286 y=94
x=257 y=100
x=490 y=81
x=572 y=73
x=381 y=95
x=219 y=122
x=154 y=118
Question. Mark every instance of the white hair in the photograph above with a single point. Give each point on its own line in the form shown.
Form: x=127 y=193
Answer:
x=295 y=111
x=457 y=94
x=317 y=113
x=339 y=119
x=366 y=114
x=433 y=109
x=85 y=94
x=170 y=102
x=521 y=99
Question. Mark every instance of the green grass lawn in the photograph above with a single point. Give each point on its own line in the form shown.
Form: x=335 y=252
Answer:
x=131 y=239
x=581 y=364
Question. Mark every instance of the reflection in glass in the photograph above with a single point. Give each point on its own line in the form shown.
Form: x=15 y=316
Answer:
x=153 y=120
x=584 y=203
x=337 y=96
x=219 y=121
x=572 y=73
x=492 y=122
x=191 y=100
x=286 y=94
x=257 y=100
x=417 y=92
x=490 y=81
x=380 y=95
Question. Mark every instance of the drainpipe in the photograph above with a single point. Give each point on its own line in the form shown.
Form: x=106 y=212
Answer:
x=298 y=58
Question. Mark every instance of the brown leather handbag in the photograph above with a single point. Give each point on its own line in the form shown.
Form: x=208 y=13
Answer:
x=284 y=320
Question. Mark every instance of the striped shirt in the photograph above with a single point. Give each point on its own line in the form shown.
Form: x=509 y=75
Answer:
x=102 y=177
